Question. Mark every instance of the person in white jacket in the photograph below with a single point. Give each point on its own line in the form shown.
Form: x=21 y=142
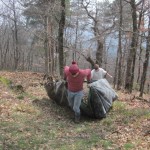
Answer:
x=98 y=73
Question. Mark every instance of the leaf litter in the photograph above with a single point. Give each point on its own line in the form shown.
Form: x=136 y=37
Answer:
x=127 y=125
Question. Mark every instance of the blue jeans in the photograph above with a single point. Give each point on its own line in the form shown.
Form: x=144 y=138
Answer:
x=74 y=99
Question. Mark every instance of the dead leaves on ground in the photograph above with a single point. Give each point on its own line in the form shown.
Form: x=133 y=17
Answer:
x=126 y=131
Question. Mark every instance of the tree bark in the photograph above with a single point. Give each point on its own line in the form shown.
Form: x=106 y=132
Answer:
x=16 y=51
x=132 y=51
x=120 y=50
x=146 y=62
x=99 y=53
x=139 y=64
x=99 y=50
x=46 y=44
x=60 y=37
x=140 y=27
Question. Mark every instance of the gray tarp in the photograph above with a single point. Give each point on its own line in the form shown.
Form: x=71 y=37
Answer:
x=103 y=86
x=100 y=99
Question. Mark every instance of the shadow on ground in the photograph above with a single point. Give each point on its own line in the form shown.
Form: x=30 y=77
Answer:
x=52 y=109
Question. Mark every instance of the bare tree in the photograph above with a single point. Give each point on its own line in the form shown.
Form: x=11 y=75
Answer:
x=141 y=29
x=99 y=28
x=11 y=6
x=16 y=42
x=43 y=14
x=60 y=37
x=146 y=62
x=132 y=52
x=119 y=53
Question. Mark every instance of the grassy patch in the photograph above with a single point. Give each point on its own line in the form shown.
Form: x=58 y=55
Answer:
x=77 y=143
x=128 y=146
x=21 y=97
x=119 y=106
x=120 y=114
x=106 y=144
x=25 y=108
x=5 y=81
x=108 y=121
x=29 y=127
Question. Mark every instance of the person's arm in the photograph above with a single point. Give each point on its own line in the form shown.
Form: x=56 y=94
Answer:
x=66 y=68
x=87 y=75
x=105 y=73
x=108 y=75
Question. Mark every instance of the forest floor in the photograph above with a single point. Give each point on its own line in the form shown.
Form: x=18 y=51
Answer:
x=29 y=120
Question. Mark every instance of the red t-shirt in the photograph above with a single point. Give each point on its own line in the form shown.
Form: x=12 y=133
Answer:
x=75 y=84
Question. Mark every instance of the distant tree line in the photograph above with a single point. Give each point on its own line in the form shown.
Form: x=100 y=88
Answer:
x=45 y=35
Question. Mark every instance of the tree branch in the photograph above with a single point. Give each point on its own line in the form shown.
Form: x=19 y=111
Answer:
x=128 y=1
x=142 y=1
x=86 y=9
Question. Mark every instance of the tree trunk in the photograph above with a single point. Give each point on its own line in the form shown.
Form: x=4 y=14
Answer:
x=139 y=64
x=146 y=62
x=119 y=83
x=98 y=36
x=140 y=27
x=60 y=37
x=99 y=53
x=116 y=71
x=46 y=44
x=76 y=35
x=132 y=51
x=16 y=51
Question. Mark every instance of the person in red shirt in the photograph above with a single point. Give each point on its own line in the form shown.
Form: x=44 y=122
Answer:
x=75 y=78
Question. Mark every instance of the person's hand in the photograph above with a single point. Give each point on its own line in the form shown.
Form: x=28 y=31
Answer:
x=88 y=82
x=110 y=76
x=88 y=85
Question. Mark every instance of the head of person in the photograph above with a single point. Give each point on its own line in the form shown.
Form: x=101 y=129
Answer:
x=96 y=66
x=74 y=69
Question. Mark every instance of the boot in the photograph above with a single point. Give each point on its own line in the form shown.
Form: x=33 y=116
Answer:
x=77 y=119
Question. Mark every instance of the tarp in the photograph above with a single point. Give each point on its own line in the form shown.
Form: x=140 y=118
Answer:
x=57 y=91
x=100 y=99
x=61 y=93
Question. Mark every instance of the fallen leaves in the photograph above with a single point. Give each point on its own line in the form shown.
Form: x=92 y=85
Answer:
x=32 y=116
